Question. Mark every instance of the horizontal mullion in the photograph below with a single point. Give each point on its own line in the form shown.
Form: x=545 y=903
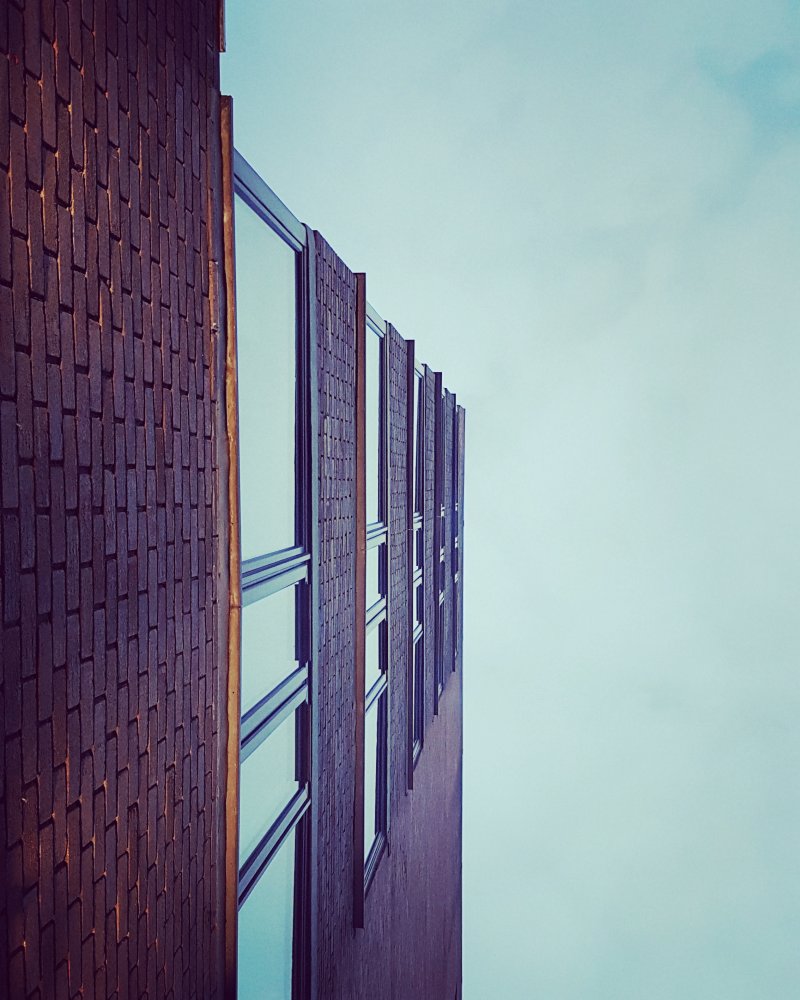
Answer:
x=417 y=634
x=417 y=519
x=375 y=855
x=417 y=575
x=265 y=717
x=375 y=319
x=258 y=860
x=377 y=689
x=268 y=574
x=263 y=200
x=376 y=533
x=376 y=613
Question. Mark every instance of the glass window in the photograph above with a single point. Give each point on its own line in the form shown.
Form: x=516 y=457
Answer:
x=419 y=604
x=419 y=688
x=419 y=468
x=268 y=645
x=373 y=660
x=266 y=334
x=376 y=588
x=371 y=731
x=266 y=926
x=267 y=781
x=440 y=648
x=420 y=547
x=373 y=428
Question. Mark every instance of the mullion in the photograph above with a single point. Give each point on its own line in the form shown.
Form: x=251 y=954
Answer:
x=259 y=858
x=267 y=574
x=376 y=614
x=377 y=689
x=377 y=533
x=265 y=717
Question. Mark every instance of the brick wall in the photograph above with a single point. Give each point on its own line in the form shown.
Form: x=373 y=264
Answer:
x=335 y=662
x=409 y=948
x=399 y=608
x=448 y=411
x=430 y=560
x=109 y=821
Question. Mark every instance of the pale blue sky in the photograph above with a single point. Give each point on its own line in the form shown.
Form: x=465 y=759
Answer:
x=588 y=215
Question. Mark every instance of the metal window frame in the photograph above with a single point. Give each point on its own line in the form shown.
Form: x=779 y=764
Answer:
x=414 y=418
x=368 y=536
x=438 y=540
x=259 y=577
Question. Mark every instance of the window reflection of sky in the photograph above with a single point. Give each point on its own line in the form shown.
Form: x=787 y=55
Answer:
x=373 y=418
x=265 y=931
x=268 y=645
x=266 y=336
x=267 y=782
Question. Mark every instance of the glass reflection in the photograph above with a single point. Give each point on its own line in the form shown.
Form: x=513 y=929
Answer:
x=267 y=783
x=268 y=645
x=418 y=467
x=419 y=696
x=373 y=428
x=370 y=776
x=266 y=924
x=375 y=586
x=266 y=334
x=372 y=658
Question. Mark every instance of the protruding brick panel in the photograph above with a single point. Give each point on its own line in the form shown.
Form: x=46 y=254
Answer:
x=335 y=661
x=108 y=527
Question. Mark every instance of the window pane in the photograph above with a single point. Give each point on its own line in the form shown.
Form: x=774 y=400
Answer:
x=440 y=665
x=373 y=658
x=267 y=782
x=373 y=418
x=420 y=547
x=419 y=691
x=418 y=436
x=370 y=775
x=375 y=576
x=265 y=931
x=419 y=604
x=268 y=644
x=266 y=334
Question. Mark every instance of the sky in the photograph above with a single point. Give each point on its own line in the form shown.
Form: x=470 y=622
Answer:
x=588 y=216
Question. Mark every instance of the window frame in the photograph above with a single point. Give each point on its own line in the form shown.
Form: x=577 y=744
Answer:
x=439 y=589
x=377 y=616
x=415 y=417
x=259 y=577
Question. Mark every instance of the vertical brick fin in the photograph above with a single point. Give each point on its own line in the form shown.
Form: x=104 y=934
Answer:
x=398 y=566
x=461 y=443
x=429 y=515
x=449 y=455
x=109 y=517
x=360 y=603
x=335 y=319
x=411 y=446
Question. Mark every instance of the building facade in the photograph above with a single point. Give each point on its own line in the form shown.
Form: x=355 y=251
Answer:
x=231 y=537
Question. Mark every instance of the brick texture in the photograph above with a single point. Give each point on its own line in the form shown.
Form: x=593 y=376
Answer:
x=410 y=947
x=108 y=530
x=430 y=559
x=335 y=664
